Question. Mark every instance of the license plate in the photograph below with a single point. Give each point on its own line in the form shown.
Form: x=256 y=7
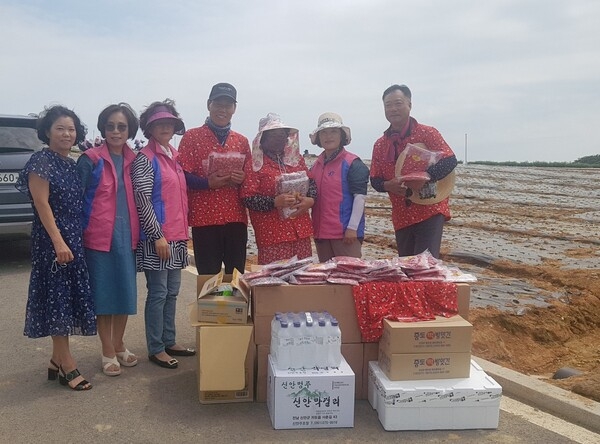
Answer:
x=10 y=177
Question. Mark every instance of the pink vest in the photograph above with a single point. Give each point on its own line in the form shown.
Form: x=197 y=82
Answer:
x=333 y=206
x=100 y=201
x=169 y=192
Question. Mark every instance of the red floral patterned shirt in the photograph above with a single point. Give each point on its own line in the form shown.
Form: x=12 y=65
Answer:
x=212 y=206
x=382 y=166
x=269 y=228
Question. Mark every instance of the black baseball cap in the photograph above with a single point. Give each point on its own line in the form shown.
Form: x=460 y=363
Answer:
x=223 y=90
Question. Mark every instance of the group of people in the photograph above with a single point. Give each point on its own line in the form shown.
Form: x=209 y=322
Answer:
x=115 y=212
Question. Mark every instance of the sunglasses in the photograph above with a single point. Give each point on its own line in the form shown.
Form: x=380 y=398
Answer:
x=110 y=127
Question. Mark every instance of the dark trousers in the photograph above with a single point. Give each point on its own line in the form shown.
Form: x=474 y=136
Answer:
x=220 y=244
x=417 y=238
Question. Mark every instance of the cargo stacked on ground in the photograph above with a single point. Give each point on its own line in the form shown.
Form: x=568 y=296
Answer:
x=224 y=339
x=425 y=378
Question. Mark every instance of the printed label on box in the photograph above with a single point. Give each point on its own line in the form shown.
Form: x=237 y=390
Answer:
x=311 y=398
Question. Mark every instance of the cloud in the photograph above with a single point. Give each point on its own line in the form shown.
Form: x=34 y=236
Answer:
x=521 y=78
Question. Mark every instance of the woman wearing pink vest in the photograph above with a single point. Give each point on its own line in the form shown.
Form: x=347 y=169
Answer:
x=339 y=212
x=160 y=193
x=111 y=232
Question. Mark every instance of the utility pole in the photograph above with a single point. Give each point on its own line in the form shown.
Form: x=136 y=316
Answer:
x=465 y=148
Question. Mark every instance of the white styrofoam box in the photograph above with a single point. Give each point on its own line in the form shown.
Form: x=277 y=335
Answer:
x=311 y=398
x=436 y=404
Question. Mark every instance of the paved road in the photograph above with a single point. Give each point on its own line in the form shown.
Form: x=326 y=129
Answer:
x=147 y=404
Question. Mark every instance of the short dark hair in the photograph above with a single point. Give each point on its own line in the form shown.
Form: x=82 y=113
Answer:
x=343 y=142
x=50 y=114
x=128 y=112
x=149 y=112
x=405 y=90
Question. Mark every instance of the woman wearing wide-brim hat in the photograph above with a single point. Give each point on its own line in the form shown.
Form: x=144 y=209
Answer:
x=276 y=152
x=341 y=178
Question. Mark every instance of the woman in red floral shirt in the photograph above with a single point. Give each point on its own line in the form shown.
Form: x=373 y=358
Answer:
x=281 y=222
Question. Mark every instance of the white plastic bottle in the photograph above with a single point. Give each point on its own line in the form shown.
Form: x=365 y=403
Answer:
x=334 y=344
x=275 y=325
x=298 y=351
x=321 y=346
x=285 y=347
x=309 y=342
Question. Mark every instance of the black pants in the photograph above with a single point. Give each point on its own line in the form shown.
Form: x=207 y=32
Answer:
x=220 y=244
x=417 y=238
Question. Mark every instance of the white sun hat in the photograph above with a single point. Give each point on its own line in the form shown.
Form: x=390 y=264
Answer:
x=330 y=120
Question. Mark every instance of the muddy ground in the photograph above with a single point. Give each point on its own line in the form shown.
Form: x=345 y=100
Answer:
x=532 y=238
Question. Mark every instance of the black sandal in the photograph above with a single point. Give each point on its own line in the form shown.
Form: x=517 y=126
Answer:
x=65 y=378
x=53 y=372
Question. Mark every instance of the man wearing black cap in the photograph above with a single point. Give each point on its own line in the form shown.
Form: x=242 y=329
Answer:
x=217 y=215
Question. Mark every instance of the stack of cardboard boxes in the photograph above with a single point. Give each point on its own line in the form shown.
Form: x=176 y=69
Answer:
x=425 y=378
x=225 y=346
x=233 y=348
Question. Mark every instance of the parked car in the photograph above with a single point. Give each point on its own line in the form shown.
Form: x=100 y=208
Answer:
x=18 y=141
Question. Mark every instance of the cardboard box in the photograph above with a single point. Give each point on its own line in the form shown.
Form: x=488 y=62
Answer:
x=463 y=299
x=222 y=309
x=226 y=356
x=445 y=404
x=352 y=353
x=336 y=299
x=439 y=335
x=413 y=366
x=310 y=399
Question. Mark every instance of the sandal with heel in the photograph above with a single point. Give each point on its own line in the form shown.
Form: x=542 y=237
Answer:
x=53 y=372
x=65 y=378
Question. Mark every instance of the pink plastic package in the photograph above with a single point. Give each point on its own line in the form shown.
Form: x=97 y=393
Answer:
x=292 y=183
x=413 y=162
x=225 y=162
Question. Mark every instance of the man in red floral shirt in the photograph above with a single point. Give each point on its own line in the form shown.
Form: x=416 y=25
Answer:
x=418 y=226
x=217 y=216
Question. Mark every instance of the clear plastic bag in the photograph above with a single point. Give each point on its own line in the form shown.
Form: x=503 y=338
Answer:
x=292 y=183
x=414 y=161
x=225 y=162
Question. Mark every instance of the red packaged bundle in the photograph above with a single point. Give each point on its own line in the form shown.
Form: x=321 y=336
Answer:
x=414 y=161
x=225 y=162
x=267 y=282
x=340 y=281
x=295 y=184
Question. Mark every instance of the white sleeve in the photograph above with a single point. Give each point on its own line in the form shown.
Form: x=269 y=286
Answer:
x=358 y=208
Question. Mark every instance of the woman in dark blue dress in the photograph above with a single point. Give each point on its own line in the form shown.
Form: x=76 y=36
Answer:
x=59 y=303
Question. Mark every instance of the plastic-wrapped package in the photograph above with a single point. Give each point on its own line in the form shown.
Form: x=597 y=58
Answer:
x=414 y=160
x=225 y=162
x=267 y=281
x=292 y=262
x=342 y=281
x=454 y=274
x=306 y=274
x=322 y=266
x=337 y=274
x=249 y=275
x=302 y=280
x=421 y=261
x=292 y=183
x=352 y=264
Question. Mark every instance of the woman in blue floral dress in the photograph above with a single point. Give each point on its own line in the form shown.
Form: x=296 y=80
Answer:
x=59 y=302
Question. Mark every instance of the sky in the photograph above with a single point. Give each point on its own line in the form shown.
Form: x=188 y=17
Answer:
x=502 y=80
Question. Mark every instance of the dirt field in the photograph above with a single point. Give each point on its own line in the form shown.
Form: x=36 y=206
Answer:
x=532 y=237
